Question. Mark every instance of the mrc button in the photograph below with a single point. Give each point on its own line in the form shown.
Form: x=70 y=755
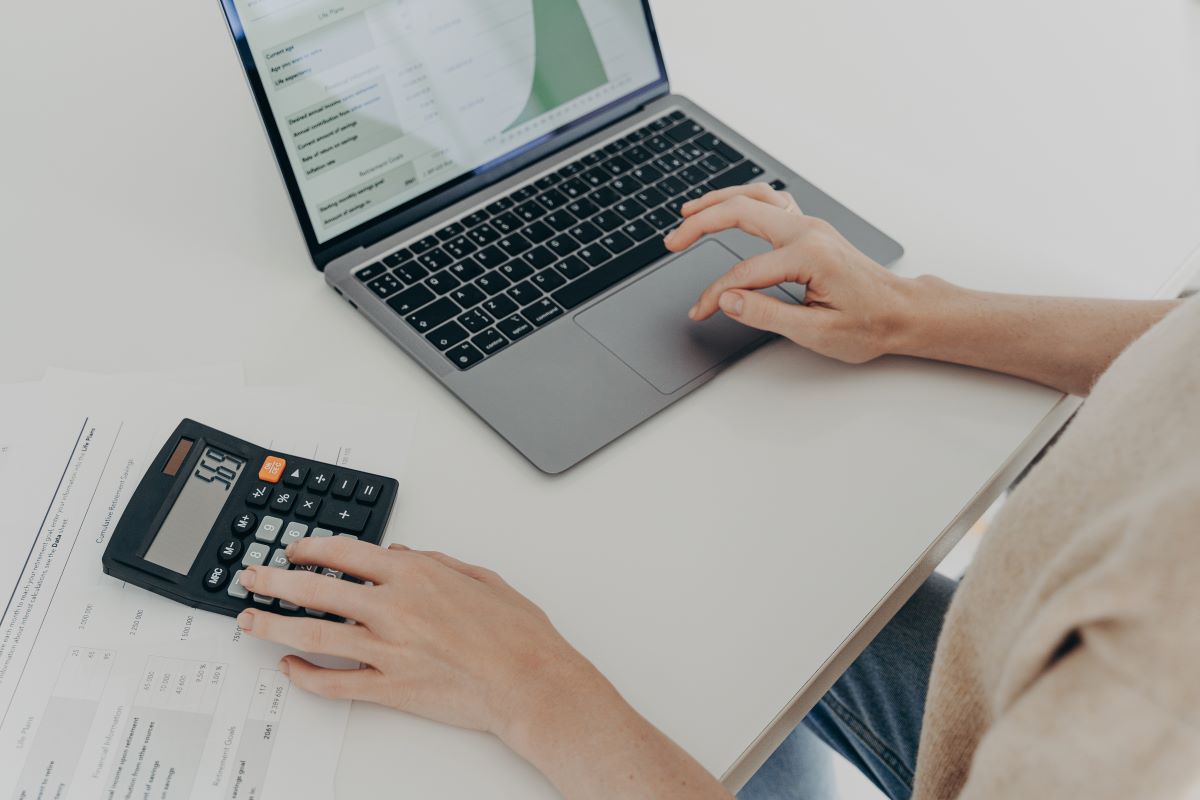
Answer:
x=272 y=469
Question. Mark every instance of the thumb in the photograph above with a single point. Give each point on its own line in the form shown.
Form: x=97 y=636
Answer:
x=757 y=310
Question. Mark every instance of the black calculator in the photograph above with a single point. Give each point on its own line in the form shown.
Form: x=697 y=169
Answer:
x=211 y=505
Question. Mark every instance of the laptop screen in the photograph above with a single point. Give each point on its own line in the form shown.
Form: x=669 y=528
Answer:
x=379 y=102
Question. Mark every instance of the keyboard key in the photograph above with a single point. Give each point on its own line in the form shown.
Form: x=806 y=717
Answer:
x=399 y=257
x=650 y=197
x=659 y=145
x=493 y=282
x=594 y=255
x=691 y=152
x=256 y=554
x=778 y=185
x=685 y=131
x=670 y=162
x=294 y=532
x=268 y=531
x=603 y=198
x=638 y=154
x=712 y=143
x=639 y=230
x=484 y=235
x=575 y=188
x=524 y=293
x=447 y=336
x=467 y=270
x=469 y=295
x=553 y=200
x=385 y=285
x=546 y=181
x=443 y=282
x=571 y=267
x=596 y=177
x=500 y=306
x=530 y=211
x=344 y=487
x=507 y=223
x=235 y=586
x=283 y=500
x=617 y=242
x=503 y=204
x=244 y=523
x=542 y=312
x=370 y=273
x=516 y=271
x=627 y=186
x=475 y=320
x=368 y=492
x=345 y=517
x=740 y=174
x=514 y=245
x=617 y=166
x=433 y=315
x=424 y=245
x=460 y=248
x=411 y=272
x=450 y=231
x=523 y=194
x=230 y=551
x=694 y=176
x=586 y=232
x=295 y=476
x=464 y=356
x=215 y=580
x=307 y=506
x=490 y=257
x=612 y=273
x=676 y=115
x=436 y=259
x=547 y=280
x=490 y=341
x=714 y=164
x=671 y=186
x=560 y=220
x=539 y=257
x=608 y=221
x=586 y=207
x=515 y=327
x=477 y=218
x=562 y=246
x=411 y=299
x=630 y=209
x=662 y=219
x=319 y=482
x=538 y=232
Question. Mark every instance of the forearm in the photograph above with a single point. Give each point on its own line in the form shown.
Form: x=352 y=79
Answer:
x=1059 y=342
x=583 y=736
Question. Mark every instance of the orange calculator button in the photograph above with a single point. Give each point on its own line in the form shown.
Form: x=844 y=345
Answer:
x=272 y=469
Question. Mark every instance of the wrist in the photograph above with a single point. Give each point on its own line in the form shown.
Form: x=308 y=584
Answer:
x=921 y=315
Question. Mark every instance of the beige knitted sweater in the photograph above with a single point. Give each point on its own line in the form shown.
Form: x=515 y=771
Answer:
x=1069 y=665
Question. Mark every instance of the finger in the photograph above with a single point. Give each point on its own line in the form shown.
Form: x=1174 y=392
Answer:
x=399 y=547
x=312 y=635
x=757 y=219
x=755 y=191
x=356 y=558
x=311 y=590
x=481 y=574
x=759 y=272
x=756 y=310
x=365 y=683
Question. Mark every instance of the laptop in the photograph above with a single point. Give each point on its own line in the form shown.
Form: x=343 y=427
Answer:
x=489 y=183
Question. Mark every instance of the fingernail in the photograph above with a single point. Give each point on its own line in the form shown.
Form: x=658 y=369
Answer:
x=396 y=547
x=245 y=620
x=247 y=579
x=693 y=311
x=283 y=666
x=732 y=304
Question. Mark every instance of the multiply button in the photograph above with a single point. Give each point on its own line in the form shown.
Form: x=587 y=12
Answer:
x=244 y=523
x=345 y=517
x=307 y=506
x=272 y=469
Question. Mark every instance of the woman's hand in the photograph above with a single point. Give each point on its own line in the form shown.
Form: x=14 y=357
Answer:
x=854 y=309
x=455 y=643
x=439 y=638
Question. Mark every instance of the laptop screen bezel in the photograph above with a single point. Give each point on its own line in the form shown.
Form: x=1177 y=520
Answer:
x=446 y=194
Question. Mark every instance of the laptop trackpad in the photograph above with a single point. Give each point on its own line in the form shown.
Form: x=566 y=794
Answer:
x=646 y=324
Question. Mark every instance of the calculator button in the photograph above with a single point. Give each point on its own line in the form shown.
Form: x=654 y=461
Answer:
x=332 y=573
x=312 y=612
x=283 y=501
x=307 y=506
x=263 y=599
x=256 y=555
x=288 y=605
x=235 y=586
x=272 y=469
x=229 y=551
x=321 y=533
x=350 y=536
x=215 y=579
x=293 y=533
x=344 y=488
x=296 y=476
x=279 y=560
x=244 y=523
x=368 y=493
x=319 y=482
x=345 y=517
x=259 y=495
x=268 y=529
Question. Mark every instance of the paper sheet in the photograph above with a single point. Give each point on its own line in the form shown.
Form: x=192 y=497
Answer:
x=107 y=690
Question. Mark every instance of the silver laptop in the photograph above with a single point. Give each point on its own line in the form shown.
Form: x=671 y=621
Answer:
x=489 y=182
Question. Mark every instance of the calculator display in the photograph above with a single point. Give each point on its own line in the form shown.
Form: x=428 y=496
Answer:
x=183 y=532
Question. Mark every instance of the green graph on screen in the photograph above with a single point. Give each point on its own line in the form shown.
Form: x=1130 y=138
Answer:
x=567 y=63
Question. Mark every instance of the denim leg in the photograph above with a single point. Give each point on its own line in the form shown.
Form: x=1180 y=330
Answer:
x=872 y=715
x=800 y=769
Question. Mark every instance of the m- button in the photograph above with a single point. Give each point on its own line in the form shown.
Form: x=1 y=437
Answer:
x=341 y=517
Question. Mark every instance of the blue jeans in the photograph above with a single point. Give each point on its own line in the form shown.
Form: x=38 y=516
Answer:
x=871 y=716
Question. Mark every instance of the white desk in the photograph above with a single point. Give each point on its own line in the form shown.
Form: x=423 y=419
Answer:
x=714 y=560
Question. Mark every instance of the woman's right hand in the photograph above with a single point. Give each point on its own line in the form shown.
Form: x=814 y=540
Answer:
x=854 y=310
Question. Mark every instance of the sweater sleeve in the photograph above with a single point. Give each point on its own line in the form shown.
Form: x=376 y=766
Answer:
x=1082 y=730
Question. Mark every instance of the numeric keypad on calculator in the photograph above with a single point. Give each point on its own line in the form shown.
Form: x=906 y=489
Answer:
x=521 y=262
x=288 y=503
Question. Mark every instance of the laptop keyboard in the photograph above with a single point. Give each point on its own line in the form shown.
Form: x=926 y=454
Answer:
x=501 y=272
